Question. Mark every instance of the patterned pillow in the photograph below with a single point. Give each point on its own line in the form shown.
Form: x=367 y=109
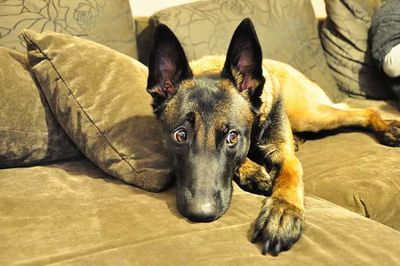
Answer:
x=344 y=37
x=287 y=30
x=108 y=22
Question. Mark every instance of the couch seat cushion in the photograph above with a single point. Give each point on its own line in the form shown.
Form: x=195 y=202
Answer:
x=72 y=213
x=353 y=170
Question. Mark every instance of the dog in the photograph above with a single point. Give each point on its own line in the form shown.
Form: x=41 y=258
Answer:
x=232 y=118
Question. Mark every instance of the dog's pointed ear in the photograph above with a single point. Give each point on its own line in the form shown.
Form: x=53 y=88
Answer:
x=243 y=65
x=168 y=65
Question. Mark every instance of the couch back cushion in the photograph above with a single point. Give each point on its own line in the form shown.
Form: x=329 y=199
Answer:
x=99 y=97
x=29 y=133
x=108 y=22
x=344 y=37
x=287 y=30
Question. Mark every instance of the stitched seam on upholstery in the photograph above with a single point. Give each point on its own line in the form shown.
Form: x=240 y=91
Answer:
x=24 y=131
x=366 y=212
x=84 y=111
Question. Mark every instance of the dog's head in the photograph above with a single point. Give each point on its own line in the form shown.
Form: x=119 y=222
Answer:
x=206 y=121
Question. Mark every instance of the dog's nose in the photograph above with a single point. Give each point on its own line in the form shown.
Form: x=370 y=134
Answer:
x=202 y=212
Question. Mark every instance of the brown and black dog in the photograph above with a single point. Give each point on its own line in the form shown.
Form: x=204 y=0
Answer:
x=232 y=117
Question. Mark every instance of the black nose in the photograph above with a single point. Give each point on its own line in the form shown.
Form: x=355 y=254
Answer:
x=204 y=212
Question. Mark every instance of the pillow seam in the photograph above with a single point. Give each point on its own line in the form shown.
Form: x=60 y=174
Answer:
x=84 y=111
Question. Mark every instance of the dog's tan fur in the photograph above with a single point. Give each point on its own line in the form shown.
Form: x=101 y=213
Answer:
x=306 y=104
x=307 y=108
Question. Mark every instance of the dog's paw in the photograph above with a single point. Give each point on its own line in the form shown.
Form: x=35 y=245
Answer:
x=391 y=137
x=279 y=225
x=254 y=179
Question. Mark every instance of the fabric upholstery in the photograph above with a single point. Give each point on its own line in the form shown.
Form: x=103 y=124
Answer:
x=353 y=170
x=108 y=22
x=72 y=214
x=206 y=27
x=344 y=37
x=29 y=133
x=99 y=97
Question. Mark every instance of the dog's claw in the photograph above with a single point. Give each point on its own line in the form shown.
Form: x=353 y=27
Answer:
x=255 y=236
x=266 y=248
x=278 y=226
x=262 y=217
x=277 y=249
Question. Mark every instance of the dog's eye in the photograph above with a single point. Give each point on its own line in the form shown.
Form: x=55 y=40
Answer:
x=232 y=138
x=180 y=135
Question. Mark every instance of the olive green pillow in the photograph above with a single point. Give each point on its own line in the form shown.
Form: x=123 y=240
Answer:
x=287 y=30
x=29 y=133
x=344 y=37
x=99 y=97
x=108 y=22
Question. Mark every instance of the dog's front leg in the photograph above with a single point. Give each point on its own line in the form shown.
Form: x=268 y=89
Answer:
x=280 y=222
x=253 y=178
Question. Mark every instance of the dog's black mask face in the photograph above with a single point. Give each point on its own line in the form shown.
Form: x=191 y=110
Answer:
x=206 y=121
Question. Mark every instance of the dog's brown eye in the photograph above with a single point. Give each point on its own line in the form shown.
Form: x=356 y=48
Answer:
x=232 y=138
x=180 y=135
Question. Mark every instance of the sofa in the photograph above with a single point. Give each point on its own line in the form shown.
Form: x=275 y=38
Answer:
x=63 y=202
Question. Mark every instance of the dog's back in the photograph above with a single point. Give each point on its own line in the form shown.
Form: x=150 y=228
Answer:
x=301 y=96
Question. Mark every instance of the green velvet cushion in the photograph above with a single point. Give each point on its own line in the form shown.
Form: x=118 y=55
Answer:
x=82 y=218
x=344 y=37
x=29 y=133
x=99 y=97
x=287 y=31
x=108 y=22
x=354 y=171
